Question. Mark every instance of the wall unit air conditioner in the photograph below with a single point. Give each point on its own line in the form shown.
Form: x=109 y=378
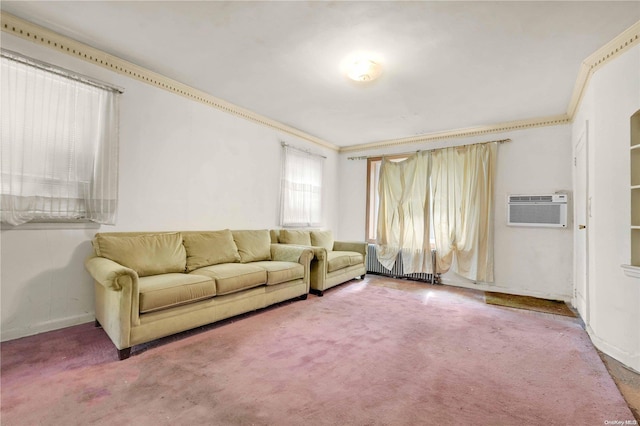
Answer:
x=537 y=210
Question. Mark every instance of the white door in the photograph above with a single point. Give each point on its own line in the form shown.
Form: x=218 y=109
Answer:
x=581 y=225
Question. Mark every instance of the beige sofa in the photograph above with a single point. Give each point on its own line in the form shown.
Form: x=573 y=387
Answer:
x=151 y=285
x=334 y=262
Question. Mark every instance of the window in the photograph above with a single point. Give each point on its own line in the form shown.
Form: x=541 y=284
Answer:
x=58 y=146
x=301 y=188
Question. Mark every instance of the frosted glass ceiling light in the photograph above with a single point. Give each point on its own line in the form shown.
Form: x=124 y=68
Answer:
x=364 y=70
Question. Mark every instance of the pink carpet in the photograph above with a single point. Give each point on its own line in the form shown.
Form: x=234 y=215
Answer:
x=364 y=354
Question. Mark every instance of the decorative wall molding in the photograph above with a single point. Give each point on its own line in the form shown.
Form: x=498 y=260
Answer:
x=13 y=25
x=462 y=133
x=40 y=35
x=625 y=40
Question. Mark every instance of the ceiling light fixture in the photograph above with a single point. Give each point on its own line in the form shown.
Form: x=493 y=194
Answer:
x=362 y=69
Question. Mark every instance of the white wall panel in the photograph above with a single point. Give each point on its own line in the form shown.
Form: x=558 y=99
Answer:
x=612 y=96
x=529 y=261
x=183 y=166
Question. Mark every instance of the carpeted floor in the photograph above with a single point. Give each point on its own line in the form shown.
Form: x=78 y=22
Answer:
x=364 y=354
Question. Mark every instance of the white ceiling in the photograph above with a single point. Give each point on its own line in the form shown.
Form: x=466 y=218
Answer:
x=447 y=65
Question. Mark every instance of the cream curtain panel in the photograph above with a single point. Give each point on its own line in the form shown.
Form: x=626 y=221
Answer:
x=404 y=213
x=462 y=183
x=58 y=147
x=453 y=187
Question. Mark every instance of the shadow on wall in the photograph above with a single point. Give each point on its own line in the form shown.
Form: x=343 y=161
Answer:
x=53 y=298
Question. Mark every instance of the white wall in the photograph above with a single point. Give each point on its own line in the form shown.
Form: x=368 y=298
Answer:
x=183 y=166
x=528 y=261
x=612 y=96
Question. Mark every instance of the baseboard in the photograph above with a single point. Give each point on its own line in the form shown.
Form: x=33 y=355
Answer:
x=41 y=327
x=631 y=361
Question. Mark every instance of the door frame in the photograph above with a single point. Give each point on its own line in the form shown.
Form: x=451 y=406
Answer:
x=583 y=139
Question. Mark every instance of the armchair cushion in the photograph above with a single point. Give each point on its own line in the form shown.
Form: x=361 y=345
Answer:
x=342 y=259
x=150 y=254
x=253 y=246
x=322 y=239
x=288 y=236
x=209 y=248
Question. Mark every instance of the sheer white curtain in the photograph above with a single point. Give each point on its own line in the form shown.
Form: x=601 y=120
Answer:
x=301 y=188
x=404 y=213
x=58 y=147
x=462 y=183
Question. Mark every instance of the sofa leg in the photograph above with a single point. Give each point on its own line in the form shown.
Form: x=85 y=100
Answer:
x=304 y=296
x=124 y=353
x=318 y=293
x=97 y=324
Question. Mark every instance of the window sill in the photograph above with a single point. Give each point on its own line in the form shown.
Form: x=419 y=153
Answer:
x=50 y=226
x=631 y=271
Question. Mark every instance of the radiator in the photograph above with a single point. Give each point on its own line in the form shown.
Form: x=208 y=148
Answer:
x=375 y=267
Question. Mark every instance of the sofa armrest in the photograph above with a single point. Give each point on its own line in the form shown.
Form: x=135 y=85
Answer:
x=291 y=253
x=358 y=247
x=108 y=273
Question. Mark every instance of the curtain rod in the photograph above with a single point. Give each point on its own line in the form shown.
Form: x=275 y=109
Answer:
x=365 y=157
x=62 y=72
x=284 y=144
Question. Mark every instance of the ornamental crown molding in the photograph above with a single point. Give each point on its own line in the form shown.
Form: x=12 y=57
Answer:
x=19 y=27
x=462 y=133
x=622 y=43
x=43 y=36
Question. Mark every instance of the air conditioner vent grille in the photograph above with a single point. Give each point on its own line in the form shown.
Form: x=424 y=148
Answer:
x=547 y=210
x=536 y=214
x=531 y=198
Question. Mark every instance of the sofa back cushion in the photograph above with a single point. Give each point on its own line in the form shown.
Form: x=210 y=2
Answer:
x=209 y=248
x=275 y=236
x=288 y=236
x=147 y=254
x=322 y=239
x=253 y=246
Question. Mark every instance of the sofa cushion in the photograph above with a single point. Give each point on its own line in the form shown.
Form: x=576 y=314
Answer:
x=232 y=277
x=209 y=248
x=342 y=259
x=288 y=236
x=275 y=236
x=169 y=290
x=147 y=254
x=281 y=272
x=355 y=258
x=322 y=239
x=336 y=260
x=253 y=246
